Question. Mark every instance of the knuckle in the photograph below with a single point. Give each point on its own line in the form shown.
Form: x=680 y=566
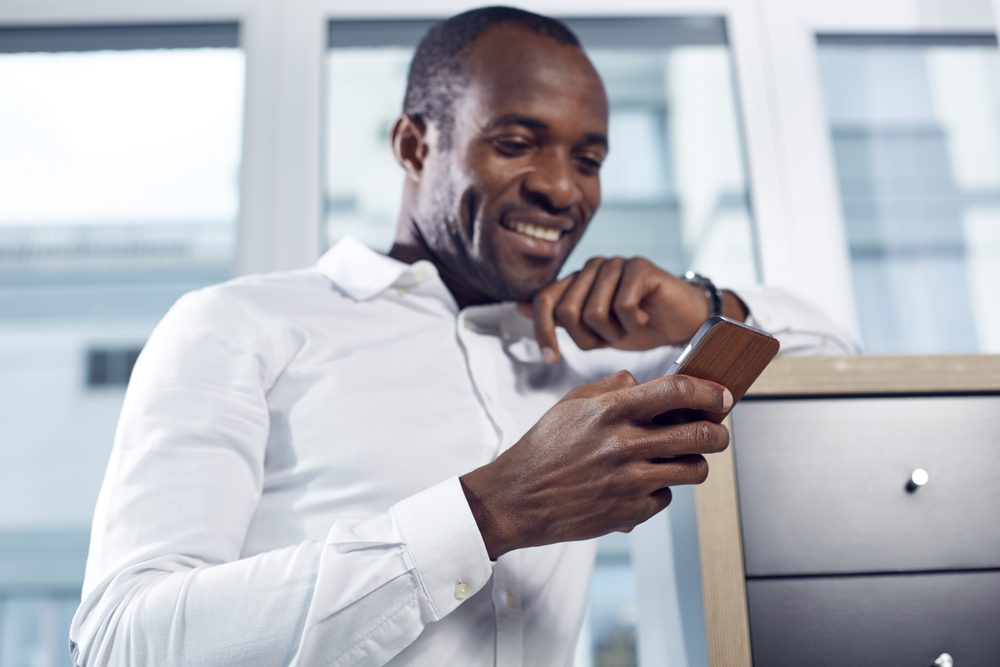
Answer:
x=605 y=407
x=705 y=438
x=625 y=378
x=616 y=449
x=543 y=299
x=597 y=319
x=568 y=312
x=683 y=385
x=594 y=262
x=625 y=310
x=595 y=316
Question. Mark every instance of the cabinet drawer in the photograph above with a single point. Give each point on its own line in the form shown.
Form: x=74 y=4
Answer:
x=875 y=620
x=822 y=484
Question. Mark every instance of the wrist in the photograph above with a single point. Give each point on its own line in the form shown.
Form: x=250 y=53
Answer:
x=486 y=505
x=733 y=306
x=709 y=292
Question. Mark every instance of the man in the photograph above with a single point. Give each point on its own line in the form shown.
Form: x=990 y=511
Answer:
x=370 y=460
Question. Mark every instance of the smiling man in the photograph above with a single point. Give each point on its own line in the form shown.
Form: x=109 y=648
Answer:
x=403 y=458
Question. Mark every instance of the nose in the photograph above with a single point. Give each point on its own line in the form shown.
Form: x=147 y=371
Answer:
x=552 y=182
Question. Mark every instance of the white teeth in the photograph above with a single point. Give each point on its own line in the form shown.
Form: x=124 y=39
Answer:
x=535 y=232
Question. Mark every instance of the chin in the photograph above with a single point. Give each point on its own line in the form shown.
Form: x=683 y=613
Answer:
x=521 y=290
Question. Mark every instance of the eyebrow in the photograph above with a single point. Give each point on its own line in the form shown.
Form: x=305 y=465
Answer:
x=536 y=124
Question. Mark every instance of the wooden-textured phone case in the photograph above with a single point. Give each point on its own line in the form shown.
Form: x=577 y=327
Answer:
x=730 y=353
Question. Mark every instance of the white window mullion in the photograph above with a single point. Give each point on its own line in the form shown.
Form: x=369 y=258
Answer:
x=281 y=192
x=814 y=252
x=766 y=169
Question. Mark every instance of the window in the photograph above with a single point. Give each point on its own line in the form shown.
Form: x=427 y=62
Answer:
x=915 y=125
x=120 y=165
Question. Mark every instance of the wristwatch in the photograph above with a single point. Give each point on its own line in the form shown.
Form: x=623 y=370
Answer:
x=711 y=292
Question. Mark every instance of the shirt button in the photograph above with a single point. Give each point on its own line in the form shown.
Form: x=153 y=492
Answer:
x=511 y=599
x=461 y=590
x=401 y=291
x=488 y=397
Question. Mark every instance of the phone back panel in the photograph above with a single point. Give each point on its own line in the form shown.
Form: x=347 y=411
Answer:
x=729 y=353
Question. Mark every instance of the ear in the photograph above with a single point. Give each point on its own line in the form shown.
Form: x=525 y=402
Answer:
x=410 y=144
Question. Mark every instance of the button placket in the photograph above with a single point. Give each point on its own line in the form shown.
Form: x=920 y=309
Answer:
x=483 y=375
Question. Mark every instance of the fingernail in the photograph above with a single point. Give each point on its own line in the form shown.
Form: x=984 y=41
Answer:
x=549 y=355
x=727 y=399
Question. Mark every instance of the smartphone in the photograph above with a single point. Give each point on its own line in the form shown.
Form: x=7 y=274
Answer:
x=725 y=351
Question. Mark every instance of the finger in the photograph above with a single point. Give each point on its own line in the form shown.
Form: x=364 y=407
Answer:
x=647 y=507
x=635 y=285
x=543 y=313
x=682 y=470
x=700 y=437
x=598 y=311
x=673 y=392
x=569 y=310
x=658 y=501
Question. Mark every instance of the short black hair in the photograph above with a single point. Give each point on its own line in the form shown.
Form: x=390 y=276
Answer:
x=437 y=75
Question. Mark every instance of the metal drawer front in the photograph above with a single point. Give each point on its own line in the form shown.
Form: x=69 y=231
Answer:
x=822 y=484
x=878 y=620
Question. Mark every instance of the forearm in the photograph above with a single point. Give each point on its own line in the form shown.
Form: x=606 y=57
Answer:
x=374 y=584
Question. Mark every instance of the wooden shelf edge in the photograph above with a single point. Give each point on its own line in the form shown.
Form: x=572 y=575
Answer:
x=879 y=374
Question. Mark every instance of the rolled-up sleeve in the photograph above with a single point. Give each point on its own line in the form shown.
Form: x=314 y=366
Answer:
x=800 y=327
x=166 y=580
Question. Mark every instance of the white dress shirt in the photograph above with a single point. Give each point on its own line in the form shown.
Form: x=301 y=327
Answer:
x=283 y=487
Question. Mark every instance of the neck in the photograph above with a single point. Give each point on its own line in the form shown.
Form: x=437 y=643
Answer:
x=410 y=246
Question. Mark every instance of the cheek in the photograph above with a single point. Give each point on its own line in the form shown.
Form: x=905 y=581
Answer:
x=592 y=195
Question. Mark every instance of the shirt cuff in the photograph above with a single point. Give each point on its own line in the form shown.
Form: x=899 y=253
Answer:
x=800 y=326
x=444 y=543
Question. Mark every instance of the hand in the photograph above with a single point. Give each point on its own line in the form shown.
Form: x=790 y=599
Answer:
x=628 y=304
x=596 y=462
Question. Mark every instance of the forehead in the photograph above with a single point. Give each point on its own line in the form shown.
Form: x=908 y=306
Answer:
x=512 y=70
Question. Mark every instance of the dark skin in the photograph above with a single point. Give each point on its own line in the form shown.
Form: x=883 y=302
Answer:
x=498 y=212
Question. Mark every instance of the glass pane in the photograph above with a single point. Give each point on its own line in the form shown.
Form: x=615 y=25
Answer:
x=674 y=190
x=119 y=169
x=674 y=184
x=916 y=132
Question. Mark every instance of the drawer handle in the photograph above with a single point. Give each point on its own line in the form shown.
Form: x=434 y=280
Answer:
x=918 y=478
x=944 y=660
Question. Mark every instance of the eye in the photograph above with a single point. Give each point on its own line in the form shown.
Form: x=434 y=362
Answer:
x=512 y=146
x=589 y=164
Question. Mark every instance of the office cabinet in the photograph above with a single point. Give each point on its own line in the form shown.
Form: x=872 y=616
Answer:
x=854 y=519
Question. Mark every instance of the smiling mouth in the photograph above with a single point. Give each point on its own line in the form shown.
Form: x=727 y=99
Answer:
x=548 y=234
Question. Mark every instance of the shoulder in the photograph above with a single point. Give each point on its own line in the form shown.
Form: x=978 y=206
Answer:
x=252 y=317
x=254 y=303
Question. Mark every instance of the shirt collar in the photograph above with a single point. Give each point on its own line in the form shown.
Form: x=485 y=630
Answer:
x=362 y=273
